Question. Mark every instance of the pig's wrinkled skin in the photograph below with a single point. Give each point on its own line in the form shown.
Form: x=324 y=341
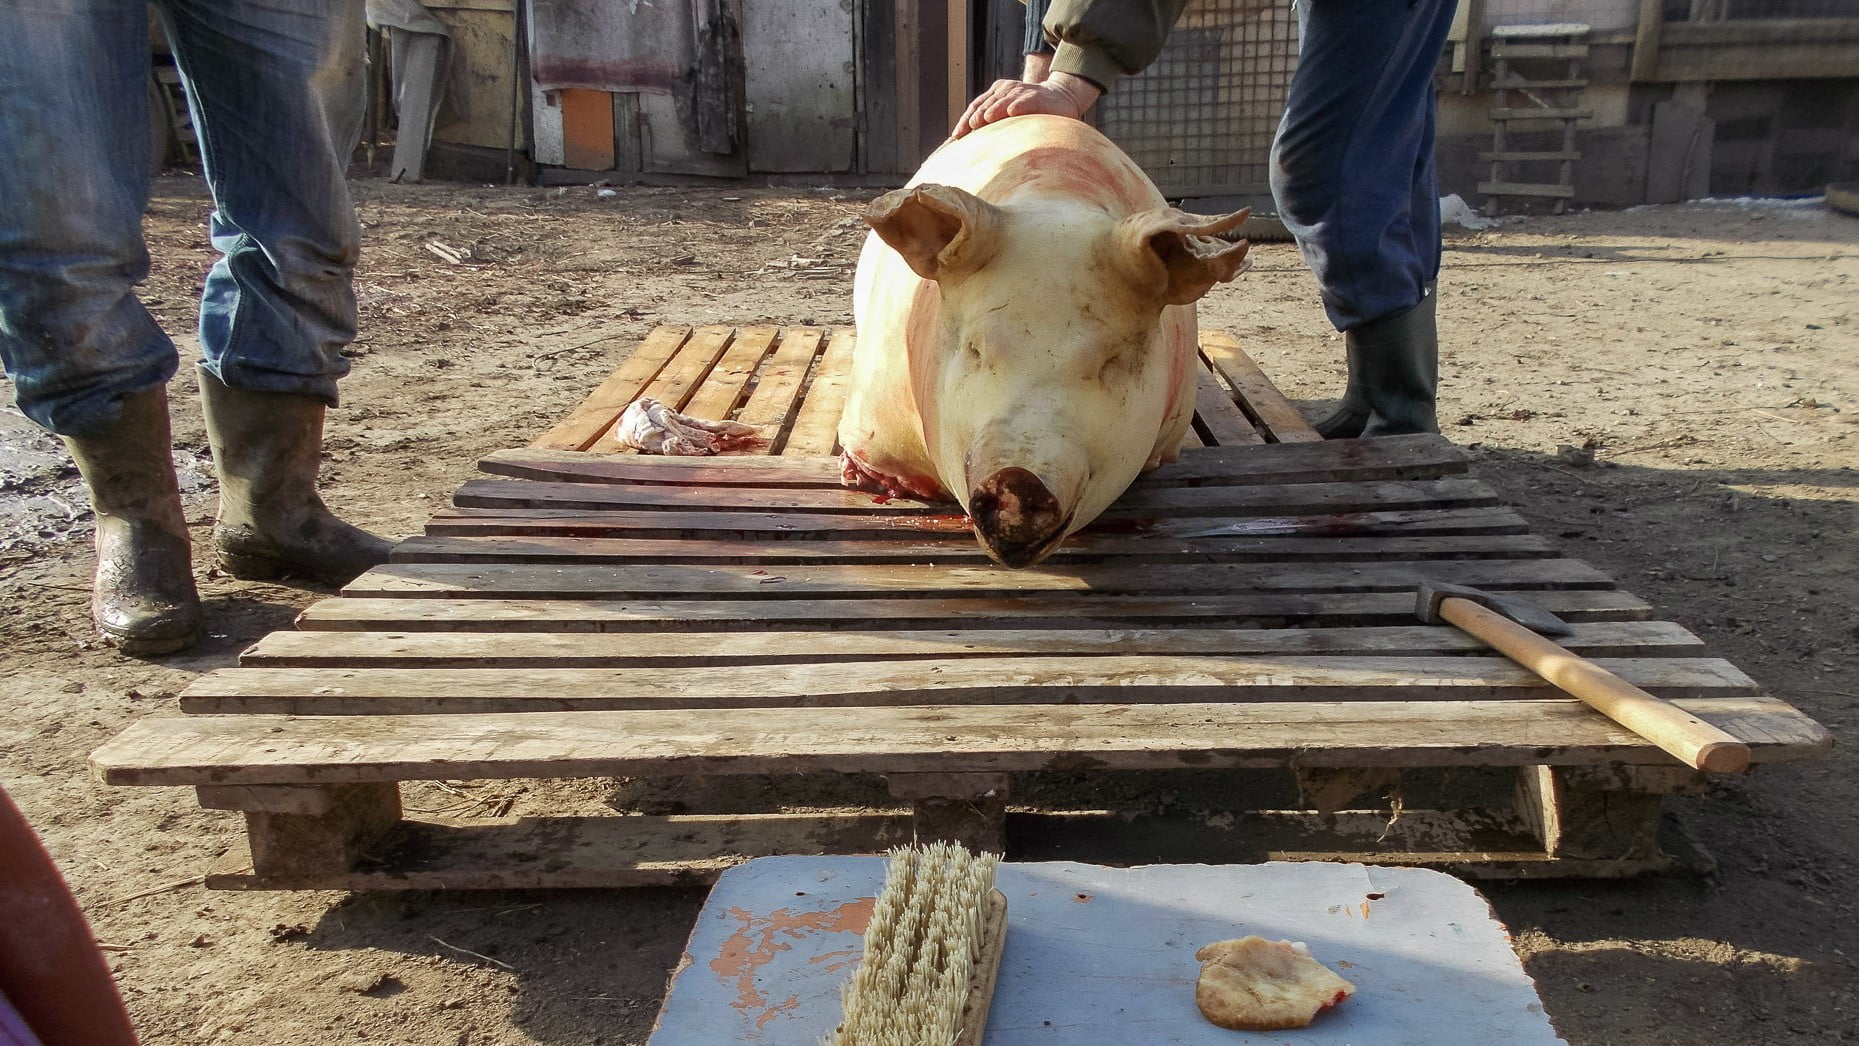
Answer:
x=1026 y=331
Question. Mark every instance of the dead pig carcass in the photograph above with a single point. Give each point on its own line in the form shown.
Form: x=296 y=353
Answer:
x=1027 y=337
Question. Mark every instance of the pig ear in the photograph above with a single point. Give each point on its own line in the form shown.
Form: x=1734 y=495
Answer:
x=1179 y=253
x=940 y=230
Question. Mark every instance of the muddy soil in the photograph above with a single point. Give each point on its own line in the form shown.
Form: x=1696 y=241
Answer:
x=1707 y=354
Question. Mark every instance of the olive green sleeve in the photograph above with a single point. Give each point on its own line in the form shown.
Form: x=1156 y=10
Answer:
x=1101 y=40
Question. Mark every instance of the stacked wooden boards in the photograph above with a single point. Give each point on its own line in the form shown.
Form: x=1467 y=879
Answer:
x=586 y=616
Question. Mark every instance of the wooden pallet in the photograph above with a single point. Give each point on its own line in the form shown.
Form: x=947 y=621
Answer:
x=1245 y=612
x=791 y=384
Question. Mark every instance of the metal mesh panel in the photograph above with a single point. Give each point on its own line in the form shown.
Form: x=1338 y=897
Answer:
x=1200 y=120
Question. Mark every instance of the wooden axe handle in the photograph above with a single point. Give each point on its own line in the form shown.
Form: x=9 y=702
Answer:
x=1690 y=739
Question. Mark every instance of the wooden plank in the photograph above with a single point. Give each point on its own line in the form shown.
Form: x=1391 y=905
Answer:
x=1107 y=679
x=722 y=388
x=1418 y=456
x=961 y=548
x=1217 y=417
x=583 y=852
x=1528 y=155
x=1526 y=189
x=836 y=580
x=602 y=407
x=1138 y=502
x=1646 y=39
x=816 y=427
x=1046 y=610
x=262 y=749
x=777 y=390
x=587 y=129
x=674 y=385
x=395 y=649
x=1510 y=50
x=958 y=44
x=1757 y=49
x=685 y=851
x=1258 y=396
x=277 y=799
x=1541 y=114
x=908 y=18
x=863 y=526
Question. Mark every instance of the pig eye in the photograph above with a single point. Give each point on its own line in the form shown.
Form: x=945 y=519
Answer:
x=973 y=348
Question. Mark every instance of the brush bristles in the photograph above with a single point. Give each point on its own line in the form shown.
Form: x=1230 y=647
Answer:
x=927 y=932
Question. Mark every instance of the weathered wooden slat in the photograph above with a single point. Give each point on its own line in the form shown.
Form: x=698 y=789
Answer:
x=396 y=649
x=1291 y=499
x=602 y=407
x=825 y=526
x=1115 y=678
x=583 y=852
x=1218 y=416
x=1048 y=610
x=721 y=389
x=1414 y=457
x=960 y=548
x=816 y=426
x=674 y=385
x=777 y=387
x=837 y=580
x=262 y=749
x=1260 y=397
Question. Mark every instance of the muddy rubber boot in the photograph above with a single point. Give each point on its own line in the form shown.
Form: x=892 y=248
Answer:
x=272 y=523
x=1393 y=376
x=143 y=595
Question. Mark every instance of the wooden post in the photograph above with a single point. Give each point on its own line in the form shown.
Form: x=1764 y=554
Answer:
x=970 y=809
x=1646 y=40
x=958 y=59
x=909 y=93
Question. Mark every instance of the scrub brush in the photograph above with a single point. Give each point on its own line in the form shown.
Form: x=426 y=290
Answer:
x=931 y=953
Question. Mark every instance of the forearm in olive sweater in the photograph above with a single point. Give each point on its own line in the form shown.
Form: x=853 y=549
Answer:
x=1103 y=39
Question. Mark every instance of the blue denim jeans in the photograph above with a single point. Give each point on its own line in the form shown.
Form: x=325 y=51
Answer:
x=275 y=88
x=1352 y=165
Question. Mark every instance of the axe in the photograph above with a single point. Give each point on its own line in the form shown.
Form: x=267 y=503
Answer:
x=1510 y=626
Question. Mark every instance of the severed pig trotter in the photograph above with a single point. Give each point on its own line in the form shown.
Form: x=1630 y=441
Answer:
x=650 y=427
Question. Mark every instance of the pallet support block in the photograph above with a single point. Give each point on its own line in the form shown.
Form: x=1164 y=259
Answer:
x=1327 y=789
x=351 y=818
x=1605 y=813
x=970 y=809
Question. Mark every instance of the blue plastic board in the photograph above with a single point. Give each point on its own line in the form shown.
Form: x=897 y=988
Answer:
x=1105 y=956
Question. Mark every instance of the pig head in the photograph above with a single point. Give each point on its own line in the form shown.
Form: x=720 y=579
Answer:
x=1027 y=339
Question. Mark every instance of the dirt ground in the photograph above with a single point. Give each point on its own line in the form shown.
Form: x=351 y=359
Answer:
x=1709 y=353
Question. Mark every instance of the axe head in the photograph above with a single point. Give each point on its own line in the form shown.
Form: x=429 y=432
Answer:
x=1518 y=609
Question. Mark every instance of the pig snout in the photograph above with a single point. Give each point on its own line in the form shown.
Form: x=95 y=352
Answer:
x=1017 y=518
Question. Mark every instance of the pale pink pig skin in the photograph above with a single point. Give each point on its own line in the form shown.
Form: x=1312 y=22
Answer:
x=1042 y=368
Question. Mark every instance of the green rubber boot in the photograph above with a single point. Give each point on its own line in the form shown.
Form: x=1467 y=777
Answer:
x=272 y=523
x=1393 y=365
x=142 y=597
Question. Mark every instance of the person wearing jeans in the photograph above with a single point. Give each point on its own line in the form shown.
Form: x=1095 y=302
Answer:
x=1352 y=169
x=275 y=89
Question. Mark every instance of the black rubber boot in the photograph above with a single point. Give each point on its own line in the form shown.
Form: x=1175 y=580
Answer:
x=272 y=523
x=142 y=597
x=1393 y=376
